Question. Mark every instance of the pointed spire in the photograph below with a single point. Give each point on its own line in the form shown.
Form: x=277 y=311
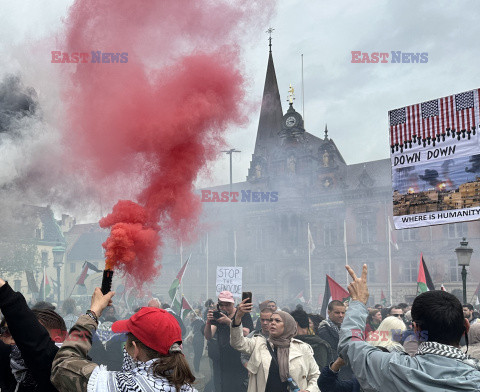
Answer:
x=326 y=132
x=270 y=122
x=270 y=31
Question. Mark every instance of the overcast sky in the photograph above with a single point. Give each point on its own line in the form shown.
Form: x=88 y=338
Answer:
x=352 y=98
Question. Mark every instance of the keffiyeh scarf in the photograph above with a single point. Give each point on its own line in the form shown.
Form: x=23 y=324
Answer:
x=20 y=371
x=334 y=326
x=447 y=351
x=135 y=376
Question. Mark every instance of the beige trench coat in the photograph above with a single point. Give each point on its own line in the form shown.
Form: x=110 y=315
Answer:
x=303 y=368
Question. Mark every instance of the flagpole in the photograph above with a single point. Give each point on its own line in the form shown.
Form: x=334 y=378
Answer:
x=309 y=264
x=76 y=282
x=235 y=247
x=345 y=246
x=207 y=268
x=44 y=283
x=390 y=269
x=181 y=265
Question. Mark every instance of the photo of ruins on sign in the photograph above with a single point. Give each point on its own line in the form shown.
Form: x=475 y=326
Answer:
x=435 y=159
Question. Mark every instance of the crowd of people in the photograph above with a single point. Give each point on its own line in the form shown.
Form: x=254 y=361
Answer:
x=432 y=345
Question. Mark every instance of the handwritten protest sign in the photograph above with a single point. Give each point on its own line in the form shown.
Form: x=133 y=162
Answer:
x=230 y=279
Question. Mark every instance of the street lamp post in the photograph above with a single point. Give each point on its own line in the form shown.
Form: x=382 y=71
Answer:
x=58 y=253
x=464 y=254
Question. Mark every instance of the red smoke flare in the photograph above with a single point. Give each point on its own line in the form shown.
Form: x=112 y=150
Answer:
x=160 y=117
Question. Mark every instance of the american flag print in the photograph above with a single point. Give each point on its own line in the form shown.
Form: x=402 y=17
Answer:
x=431 y=122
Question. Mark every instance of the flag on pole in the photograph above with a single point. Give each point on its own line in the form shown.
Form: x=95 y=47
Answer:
x=186 y=308
x=383 y=299
x=87 y=269
x=333 y=291
x=45 y=287
x=424 y=281
x=300 y=297
x=391 y=235
x=311 y=244
x=172 y=291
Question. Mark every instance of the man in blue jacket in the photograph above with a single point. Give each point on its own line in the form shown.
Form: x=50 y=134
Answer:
x=439 y=364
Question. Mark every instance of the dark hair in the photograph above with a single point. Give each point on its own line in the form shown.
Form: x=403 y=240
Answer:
x=174 y=367
x=316 y=319
x=469 y=306
x=301 y=317
x=440 y=315
x=402 y=305
x=68 y=306
x=50 y=319
x=378 y=306
x=334 y=303
x=43 y=305
x=271 y=300
x=208 y=302
x=394 y=307
x=371 y=314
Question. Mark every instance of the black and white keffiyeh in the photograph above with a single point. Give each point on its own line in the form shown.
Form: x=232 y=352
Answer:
x=447 y=351
x=334 y=326
x=135 y=377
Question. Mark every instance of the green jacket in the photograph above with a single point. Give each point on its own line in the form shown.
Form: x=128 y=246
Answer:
x=71 y=369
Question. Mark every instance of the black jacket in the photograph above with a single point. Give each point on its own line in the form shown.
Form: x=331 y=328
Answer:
x=31 y=337
x=7 y=381
x=330 y=335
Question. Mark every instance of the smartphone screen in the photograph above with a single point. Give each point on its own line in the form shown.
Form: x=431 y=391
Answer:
x=247 y=294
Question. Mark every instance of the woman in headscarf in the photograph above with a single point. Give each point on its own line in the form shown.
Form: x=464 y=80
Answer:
x=273 y=361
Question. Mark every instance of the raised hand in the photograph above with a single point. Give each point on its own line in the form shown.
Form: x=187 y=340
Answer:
x=358 y=289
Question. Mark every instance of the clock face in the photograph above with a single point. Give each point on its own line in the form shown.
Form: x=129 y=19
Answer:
x=290 y=121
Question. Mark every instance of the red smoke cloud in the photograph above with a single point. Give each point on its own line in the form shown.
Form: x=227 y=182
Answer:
x=160 y=116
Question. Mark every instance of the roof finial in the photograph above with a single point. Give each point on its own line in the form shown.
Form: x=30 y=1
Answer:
x=291 y=96
x=326 y=132
x=270 y=31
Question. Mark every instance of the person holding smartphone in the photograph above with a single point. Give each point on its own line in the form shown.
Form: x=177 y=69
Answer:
x=230 y=372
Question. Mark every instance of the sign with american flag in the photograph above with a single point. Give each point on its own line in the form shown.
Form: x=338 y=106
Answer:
x=433 y=122
x=435 y=159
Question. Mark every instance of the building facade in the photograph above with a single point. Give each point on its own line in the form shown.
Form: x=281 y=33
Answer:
x=346 y=206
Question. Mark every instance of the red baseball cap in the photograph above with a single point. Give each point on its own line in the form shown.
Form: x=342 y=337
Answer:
x=156 y=328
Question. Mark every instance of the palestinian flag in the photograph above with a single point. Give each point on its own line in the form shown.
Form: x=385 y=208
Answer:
x=383 y=299
x=45 y=287
x=186 y=308
x=300 y=297
x=172 y=291
x=333 y=291
x=88 y=269
x=424 y=281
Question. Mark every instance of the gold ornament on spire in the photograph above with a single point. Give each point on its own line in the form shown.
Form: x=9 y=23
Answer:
x=291 y=96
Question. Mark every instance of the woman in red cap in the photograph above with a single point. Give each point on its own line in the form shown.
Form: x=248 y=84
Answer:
x=153 y=358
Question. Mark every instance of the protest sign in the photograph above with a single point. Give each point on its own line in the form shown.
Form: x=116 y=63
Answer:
x=230 y=279
x=435 y=161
